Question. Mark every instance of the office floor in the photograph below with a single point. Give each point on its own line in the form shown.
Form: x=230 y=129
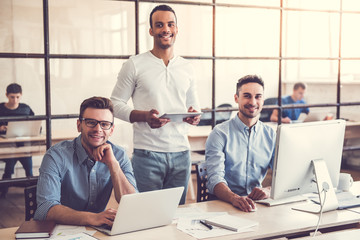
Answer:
x=12 y=210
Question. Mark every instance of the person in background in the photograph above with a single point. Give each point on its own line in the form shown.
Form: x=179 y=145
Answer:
x=77 y=176
x=158 y=82
x=241 y=150
x=13 y=108
x=292 y=114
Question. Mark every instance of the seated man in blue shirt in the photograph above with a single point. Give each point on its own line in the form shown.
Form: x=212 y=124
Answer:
x=292 y=114
x=240 y=150
x=77 y=177
x=13 y=107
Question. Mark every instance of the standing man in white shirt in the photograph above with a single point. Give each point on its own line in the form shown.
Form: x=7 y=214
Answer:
x=158 y=82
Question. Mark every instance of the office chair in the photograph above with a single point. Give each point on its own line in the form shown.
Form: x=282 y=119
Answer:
x=266 y=113
x=223 y=116
x=30 y=202
x=206 y=118
x=201 y=178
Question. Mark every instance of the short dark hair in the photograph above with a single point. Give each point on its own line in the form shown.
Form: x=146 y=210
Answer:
x=13 y=88
x=97 y=103
x=249 y=79
x=299 y=85
x=161 y=8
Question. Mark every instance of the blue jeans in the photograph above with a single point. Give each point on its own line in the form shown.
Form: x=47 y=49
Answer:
x=158 y=170
x=10 y=165
x=9 y=169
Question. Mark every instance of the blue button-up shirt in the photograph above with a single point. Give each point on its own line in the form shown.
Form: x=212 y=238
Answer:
x=238 y=157
x=69 y=177
x=293 y=113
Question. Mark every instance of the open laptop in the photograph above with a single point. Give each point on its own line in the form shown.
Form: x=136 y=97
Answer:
x=311 y=117
x=144 y=210
x=23 y=129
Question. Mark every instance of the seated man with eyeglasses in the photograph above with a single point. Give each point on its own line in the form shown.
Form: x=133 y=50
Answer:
x=77 y=177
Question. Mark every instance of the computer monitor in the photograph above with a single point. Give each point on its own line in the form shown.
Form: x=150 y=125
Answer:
x=298 y=147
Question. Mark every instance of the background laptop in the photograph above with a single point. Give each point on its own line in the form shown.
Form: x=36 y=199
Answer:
x=23 y=129
x=144 y=210
x=311 y=117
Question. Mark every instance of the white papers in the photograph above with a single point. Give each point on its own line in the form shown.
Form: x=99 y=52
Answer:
x=231 y=222
x=78 y=236
x=194 y=213
x=62 y=232
x=189 y=222
x=194 y=228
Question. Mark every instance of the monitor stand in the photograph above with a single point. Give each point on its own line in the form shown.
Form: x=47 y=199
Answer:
x=326 y=192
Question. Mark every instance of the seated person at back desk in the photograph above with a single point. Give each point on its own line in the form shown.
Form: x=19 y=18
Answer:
x=240 y=151
x=292 y=114
x=12 y=108
x=77 y=176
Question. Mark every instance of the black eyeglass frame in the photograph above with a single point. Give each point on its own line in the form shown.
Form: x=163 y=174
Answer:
x=97 y=122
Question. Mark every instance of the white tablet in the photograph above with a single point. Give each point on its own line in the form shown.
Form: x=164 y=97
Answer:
x=178 y=117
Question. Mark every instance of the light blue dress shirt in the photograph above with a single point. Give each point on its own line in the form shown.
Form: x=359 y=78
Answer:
x=69 y=177
x=293 y=113
x=238 y=157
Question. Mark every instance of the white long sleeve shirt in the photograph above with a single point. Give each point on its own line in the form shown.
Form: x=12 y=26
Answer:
x=153 y=85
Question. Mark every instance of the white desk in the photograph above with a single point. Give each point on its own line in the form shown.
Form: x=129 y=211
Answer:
x=24 y=147
x=341 y=235
x=279 y=221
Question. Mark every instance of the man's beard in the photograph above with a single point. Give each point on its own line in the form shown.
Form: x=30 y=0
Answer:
x=165 y=46
x=248 y=115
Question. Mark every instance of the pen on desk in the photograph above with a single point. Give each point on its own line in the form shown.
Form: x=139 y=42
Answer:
x=206 y=225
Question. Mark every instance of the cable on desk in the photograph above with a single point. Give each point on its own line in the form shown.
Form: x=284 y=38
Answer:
x=321 y=209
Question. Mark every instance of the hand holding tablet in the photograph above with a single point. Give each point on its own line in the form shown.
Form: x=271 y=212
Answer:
x=178 y=117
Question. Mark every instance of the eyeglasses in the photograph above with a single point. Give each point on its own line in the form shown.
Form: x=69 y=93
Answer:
x=91 y=123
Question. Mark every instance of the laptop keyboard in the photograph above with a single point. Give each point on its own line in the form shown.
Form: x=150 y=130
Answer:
x=105 y=226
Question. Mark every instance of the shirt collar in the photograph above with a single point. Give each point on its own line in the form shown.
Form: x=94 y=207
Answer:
x=160 y=60
x=80 y=151
x=243 y=127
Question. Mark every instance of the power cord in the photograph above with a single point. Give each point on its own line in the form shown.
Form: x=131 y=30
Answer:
x=325 y=189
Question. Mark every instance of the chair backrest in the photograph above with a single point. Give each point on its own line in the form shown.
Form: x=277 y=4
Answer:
x=223 y=116
x=201 y=177
x=30 y=202
x=206 y=118
x=266 y=113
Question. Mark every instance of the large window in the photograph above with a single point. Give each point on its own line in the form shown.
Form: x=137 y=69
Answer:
x=62 y=52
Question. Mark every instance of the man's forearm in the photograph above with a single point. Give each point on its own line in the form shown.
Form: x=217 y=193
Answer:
x=223 y=192
x=138 y=116
x=120 y=183
x=65 y=215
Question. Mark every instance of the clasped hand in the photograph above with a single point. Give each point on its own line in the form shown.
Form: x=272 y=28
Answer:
x=103 y=153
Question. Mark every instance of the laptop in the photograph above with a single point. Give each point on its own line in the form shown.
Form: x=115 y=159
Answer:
x=23 y=129
x=144 y=210
x=311 y=117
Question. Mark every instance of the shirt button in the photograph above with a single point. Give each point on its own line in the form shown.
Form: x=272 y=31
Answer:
x=93 y=170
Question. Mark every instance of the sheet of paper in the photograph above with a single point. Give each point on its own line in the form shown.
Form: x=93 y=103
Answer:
x=68 y=230
x=194 y=228
x=77 y=236
x=194 y=213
